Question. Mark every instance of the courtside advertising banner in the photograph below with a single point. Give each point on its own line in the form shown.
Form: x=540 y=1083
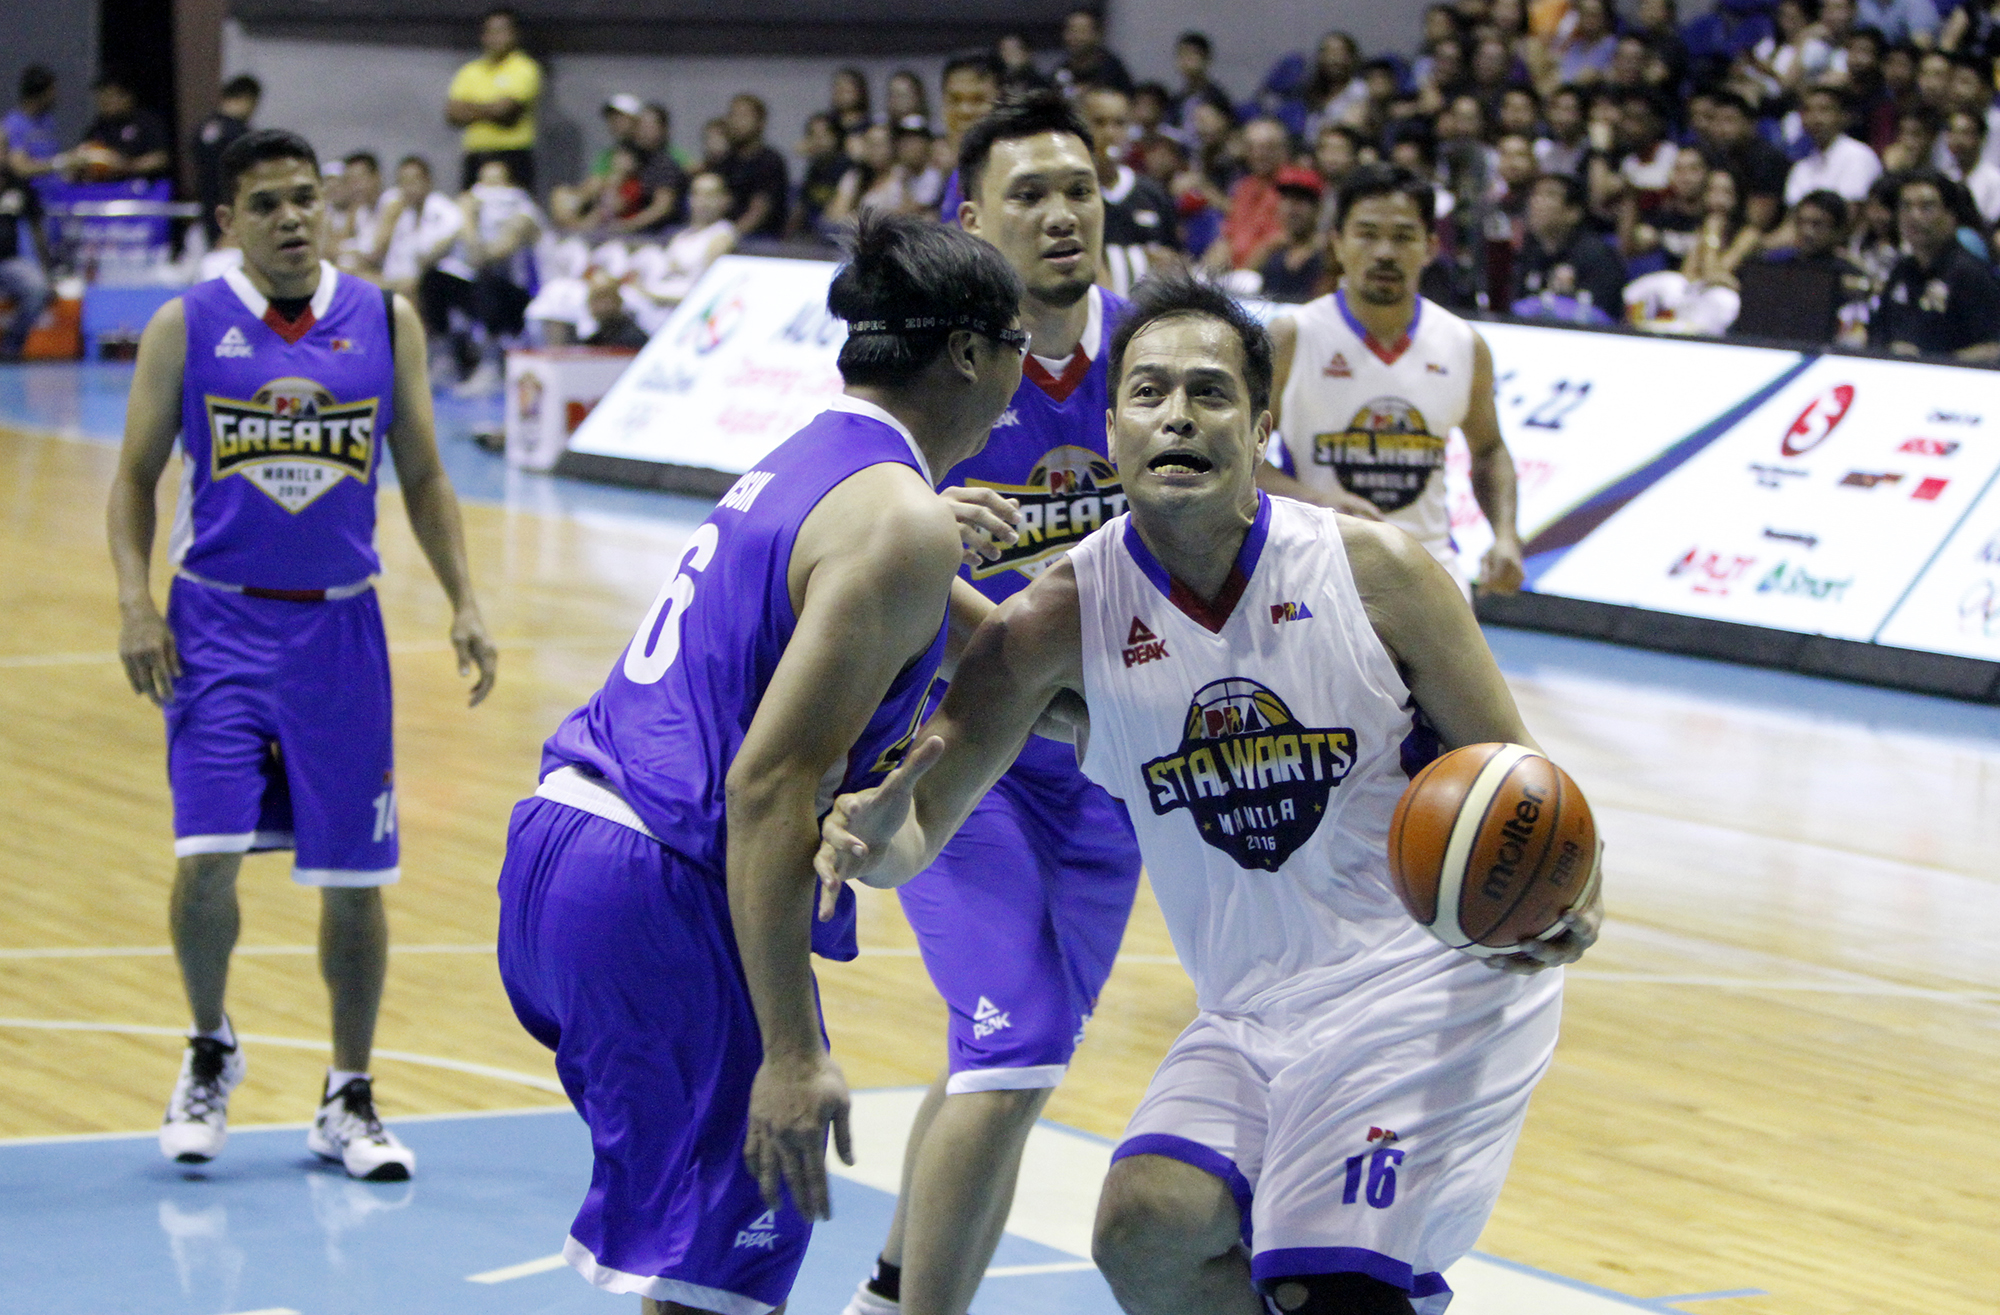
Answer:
x=741 y=365
x=1955 y=605
x=1816 y=512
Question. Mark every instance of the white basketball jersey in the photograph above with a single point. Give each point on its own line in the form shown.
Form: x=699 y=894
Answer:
x=1374 y=420
x=1260 y=745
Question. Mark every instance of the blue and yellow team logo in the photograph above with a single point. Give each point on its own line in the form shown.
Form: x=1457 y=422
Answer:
x=292 y=440
x=1070 y=492
x=1387 y=454
x=1255 y=780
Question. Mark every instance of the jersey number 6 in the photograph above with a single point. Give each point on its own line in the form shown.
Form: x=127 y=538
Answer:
x=658 y=642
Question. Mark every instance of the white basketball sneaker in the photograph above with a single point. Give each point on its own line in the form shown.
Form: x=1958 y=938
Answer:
x=867 y=1301
x=347 y=1131
x=197 y=1122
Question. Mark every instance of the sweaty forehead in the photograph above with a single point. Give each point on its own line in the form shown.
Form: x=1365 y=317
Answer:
x=1046 y=153
x=277 y=175
x=1177 y=344
x=1392 y=209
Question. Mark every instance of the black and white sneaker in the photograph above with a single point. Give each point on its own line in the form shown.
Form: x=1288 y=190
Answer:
x=347 y=1132
x=197 y=1122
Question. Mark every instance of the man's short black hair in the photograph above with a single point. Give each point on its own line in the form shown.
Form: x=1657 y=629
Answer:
x=368 y=158
x=507 y=12
x=37 y=80
x=1830 y=203
x=1025 y=114
x=256 y=147
x=1199 y=40
x=1978 y=120
x=908 y=282
x=1165 y=296
x=1873 y=37
x=1574 y=196
x=1729 y=100
x=242 y=85
x=1922 y=177
x=982 y=62
x=1383 y=179
x=1838 y=95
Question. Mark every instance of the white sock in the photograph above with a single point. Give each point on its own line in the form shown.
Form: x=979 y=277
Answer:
x=336 y=1078
x=225 y=1034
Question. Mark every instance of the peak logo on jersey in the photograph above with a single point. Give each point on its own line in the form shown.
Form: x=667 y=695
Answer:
x=1070 y=492
x=1255 y=780
x=1817 y=422
x=762 y=1235
x=1008 y=419
x=1338 y=368
x=1387 y=454
x=988 y=1018
x=233 y=343
x=1142 y=645
x=1283 y=612
x=292 y=440
x=1929 y=447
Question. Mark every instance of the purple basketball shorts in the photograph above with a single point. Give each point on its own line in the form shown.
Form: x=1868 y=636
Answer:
x=279 y=734
x=619 y=956
x=1019 y=921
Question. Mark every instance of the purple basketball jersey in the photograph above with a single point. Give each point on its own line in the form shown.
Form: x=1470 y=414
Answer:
x=281 y=427
x=665 y=727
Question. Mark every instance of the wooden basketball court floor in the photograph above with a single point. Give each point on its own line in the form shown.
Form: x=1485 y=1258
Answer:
x=1779 y=1070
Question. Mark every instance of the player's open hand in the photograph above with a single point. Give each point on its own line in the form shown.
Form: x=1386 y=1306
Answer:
x=986 y=522
x=791 y=1103
x=146 y=647
x=474 y=649
x=1501 y=570
x=858 y=829
x=1575 y=932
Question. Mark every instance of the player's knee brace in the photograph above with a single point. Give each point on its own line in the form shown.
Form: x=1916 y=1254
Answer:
x=1335 y=1294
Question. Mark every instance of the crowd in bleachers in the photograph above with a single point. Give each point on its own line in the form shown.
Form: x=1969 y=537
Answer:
x=1817 y=169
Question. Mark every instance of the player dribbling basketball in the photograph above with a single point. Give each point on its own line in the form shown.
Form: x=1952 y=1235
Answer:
x=1333 y=1129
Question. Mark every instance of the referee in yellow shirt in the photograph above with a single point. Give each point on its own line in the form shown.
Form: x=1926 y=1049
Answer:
x=493 y=99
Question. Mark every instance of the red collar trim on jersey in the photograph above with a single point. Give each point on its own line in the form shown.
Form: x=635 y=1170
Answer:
x=1209 y=616
x=1058 y=386
x=290 y=330
x=1393 y=352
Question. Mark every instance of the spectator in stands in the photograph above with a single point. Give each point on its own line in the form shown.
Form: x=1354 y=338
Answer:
x=1837 y=163
x=125 y=140
x=1086 y=63
x=415 y=228
x=1334 y=89
x=848 y=101
x=613 y=324
x=905 y=99
x=1933 y=85
x=1628 y=68
x=24 y=276
x=1965 y=146
x=661 y=174
x=1716 y=38
x=1440 y=26
x=1971 y=90
x=1193 y=54
x=1791 y=56
x=1940 y=299
x=572 y=206
x=757 y=177
x=1973 y=27
x=32 y=147
x=1900 y=21
x=1140 y=229
x=1663 y=238
x=1561 y=258
x=1703 y=295
x=1017 y=65
x=231 y=120
x=1918 y=130
x=666 y=275
x=826 y=163
x=1657 y=22
x=1296 y=269
x=487 y=276
x=1520 y=111
x=1494 y=69
x=1818 y=219
x=1563 y=148
x=1726 y=238
x=1251 y=228
x=1335 y=154
x=1586 y=44
x=492 y=99
x=871 y=181
x=1648 y=160
x=1152 y=111
x=971 y=87
x=923 y=180
x=1760 y=168
x=352 y=224
x=1447 y=74
x=1868 y=97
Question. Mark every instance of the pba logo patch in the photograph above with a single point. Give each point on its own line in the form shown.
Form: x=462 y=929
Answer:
x=292 y=440
x=1070 y=492
x=1387 y=454
x=1283 y=612
x=1255 y=780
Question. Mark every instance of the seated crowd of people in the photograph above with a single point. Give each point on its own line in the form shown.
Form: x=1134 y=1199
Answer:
x=1825 y=170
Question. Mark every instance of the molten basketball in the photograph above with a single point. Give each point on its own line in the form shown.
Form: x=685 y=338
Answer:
x=1490 y=845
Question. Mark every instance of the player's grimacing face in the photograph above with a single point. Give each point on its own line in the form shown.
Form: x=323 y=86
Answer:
x=1039 y=204
x=279 y=217
x=1182 y=424
x=1383 y=247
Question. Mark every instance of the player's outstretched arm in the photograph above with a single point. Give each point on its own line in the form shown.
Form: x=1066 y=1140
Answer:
x=1025 y=656
x=1500 y=571
x=1431 y=634
x=152 y=422
x=870 y=573
x=432 y=506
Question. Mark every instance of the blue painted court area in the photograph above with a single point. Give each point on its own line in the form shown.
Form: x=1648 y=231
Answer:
x=93 y=1225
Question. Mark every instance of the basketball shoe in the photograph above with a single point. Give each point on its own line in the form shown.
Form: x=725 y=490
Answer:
x=197 y=1122
x=347 y=1131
